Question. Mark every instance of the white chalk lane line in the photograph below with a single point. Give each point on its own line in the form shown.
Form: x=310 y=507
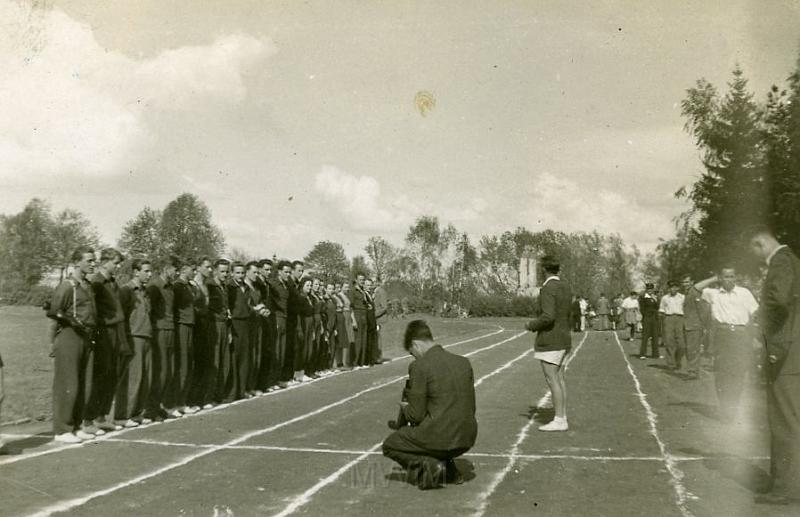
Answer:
x=79 y=501
x=59 y=448
x=682 y=495
x=513 y=454
x=305 y=498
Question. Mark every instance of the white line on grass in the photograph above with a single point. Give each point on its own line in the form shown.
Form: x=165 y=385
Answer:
x=676 y=475
x=306 y=496
x=108 y=436
x=70 y=504
x=483 y=500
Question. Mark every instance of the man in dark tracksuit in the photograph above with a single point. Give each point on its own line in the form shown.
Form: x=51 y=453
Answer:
x=162 y=306
x=112 y=346
x=182 y=372
x=219 y=371
x=73 y=309
x=280 y=294
x=266 y=371
x=241 y=316
x=780 y=323
x=135 y=384
x=439 y=411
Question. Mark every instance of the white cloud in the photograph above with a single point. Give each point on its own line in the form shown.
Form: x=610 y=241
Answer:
x=71 y=106
x=358 y=199
x=563 y=204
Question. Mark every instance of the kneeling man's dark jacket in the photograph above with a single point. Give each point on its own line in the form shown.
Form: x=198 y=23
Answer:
x=441 y=401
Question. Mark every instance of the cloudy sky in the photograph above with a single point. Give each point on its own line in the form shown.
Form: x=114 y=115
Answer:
x=296 y=122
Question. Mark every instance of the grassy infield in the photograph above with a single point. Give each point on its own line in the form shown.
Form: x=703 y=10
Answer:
x=29 y=371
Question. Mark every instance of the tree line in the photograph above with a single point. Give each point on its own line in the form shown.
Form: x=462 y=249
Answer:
x=436 y=263
x=750 y=154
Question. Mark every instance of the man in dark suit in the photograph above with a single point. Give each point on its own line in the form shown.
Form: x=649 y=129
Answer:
x=439 y=410
x=780 y=309
x=553 y=338
x=648 y=306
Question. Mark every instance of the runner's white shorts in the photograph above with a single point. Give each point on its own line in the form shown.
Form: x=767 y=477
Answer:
x=551 y=356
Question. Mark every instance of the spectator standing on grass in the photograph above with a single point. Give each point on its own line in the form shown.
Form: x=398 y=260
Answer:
x=617 y=312
x=583 y=304
x=631 y=314
x=671 y=311
x=780 y=324
x=732 y=310
x=381 y=299
x=73 y=309
x=696 y=316
x=603 y=310
x=575 y=313
x=553 y=338
x=648 y=307
x=112 y=348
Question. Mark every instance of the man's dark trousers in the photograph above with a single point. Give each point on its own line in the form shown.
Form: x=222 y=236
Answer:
x=72 y=365
x=362 y=339
x=649 y=331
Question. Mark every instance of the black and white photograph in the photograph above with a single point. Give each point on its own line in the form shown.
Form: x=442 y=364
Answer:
x=513 y=258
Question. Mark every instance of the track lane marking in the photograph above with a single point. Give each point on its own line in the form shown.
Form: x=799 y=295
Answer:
x=79 y=501
x=59 y=447
x=305 y=498
x=483 y=499
x=682 y=495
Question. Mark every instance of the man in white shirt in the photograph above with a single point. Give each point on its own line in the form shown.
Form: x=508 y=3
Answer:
x=671 y=311
x=732 y=310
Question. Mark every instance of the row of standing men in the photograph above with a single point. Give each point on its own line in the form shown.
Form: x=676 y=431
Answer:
x=197 y=334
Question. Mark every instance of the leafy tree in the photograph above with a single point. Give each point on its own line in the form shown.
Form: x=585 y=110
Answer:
x=381 y=254
x=186 y=229
x=428 y=243
x=358 y=266
x=141 y=236
x=26 y=247
x=328 y=260
x=732 y=194
x=237 y=254
x=69 y=230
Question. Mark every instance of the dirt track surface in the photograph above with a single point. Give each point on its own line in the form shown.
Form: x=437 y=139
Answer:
x=642 y=441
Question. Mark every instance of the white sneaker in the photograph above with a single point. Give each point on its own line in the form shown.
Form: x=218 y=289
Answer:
x=67 y=438
x=208 y=406
x=305 y=378
x=189 y=410
x=84 y=435
x=557 y=424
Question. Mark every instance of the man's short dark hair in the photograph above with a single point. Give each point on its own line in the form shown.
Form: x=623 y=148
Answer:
x=237 y=264
x=550 y=265
x=284 y=263
x=136 y=264
x=204 y=259
x=110 y=254
x=79 y=252
x=296 y=263
x=174 y=261
x=222 y=262
x=673 y=283
x=264 y=262
x=251 y=264
x=417 y=330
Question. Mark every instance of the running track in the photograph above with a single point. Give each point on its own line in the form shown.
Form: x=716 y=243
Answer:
x=642 y=442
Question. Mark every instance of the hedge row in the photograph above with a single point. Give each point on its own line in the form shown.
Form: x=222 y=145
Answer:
x=496 y=305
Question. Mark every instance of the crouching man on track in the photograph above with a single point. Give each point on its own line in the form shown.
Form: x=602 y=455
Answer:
x=437 y=422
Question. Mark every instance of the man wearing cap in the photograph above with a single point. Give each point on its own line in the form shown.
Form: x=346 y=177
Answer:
x=648 y=307
x=671 y=310
x=732 y=310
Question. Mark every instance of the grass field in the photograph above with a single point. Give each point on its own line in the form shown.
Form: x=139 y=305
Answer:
x=643 y=440
x=28 y=368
